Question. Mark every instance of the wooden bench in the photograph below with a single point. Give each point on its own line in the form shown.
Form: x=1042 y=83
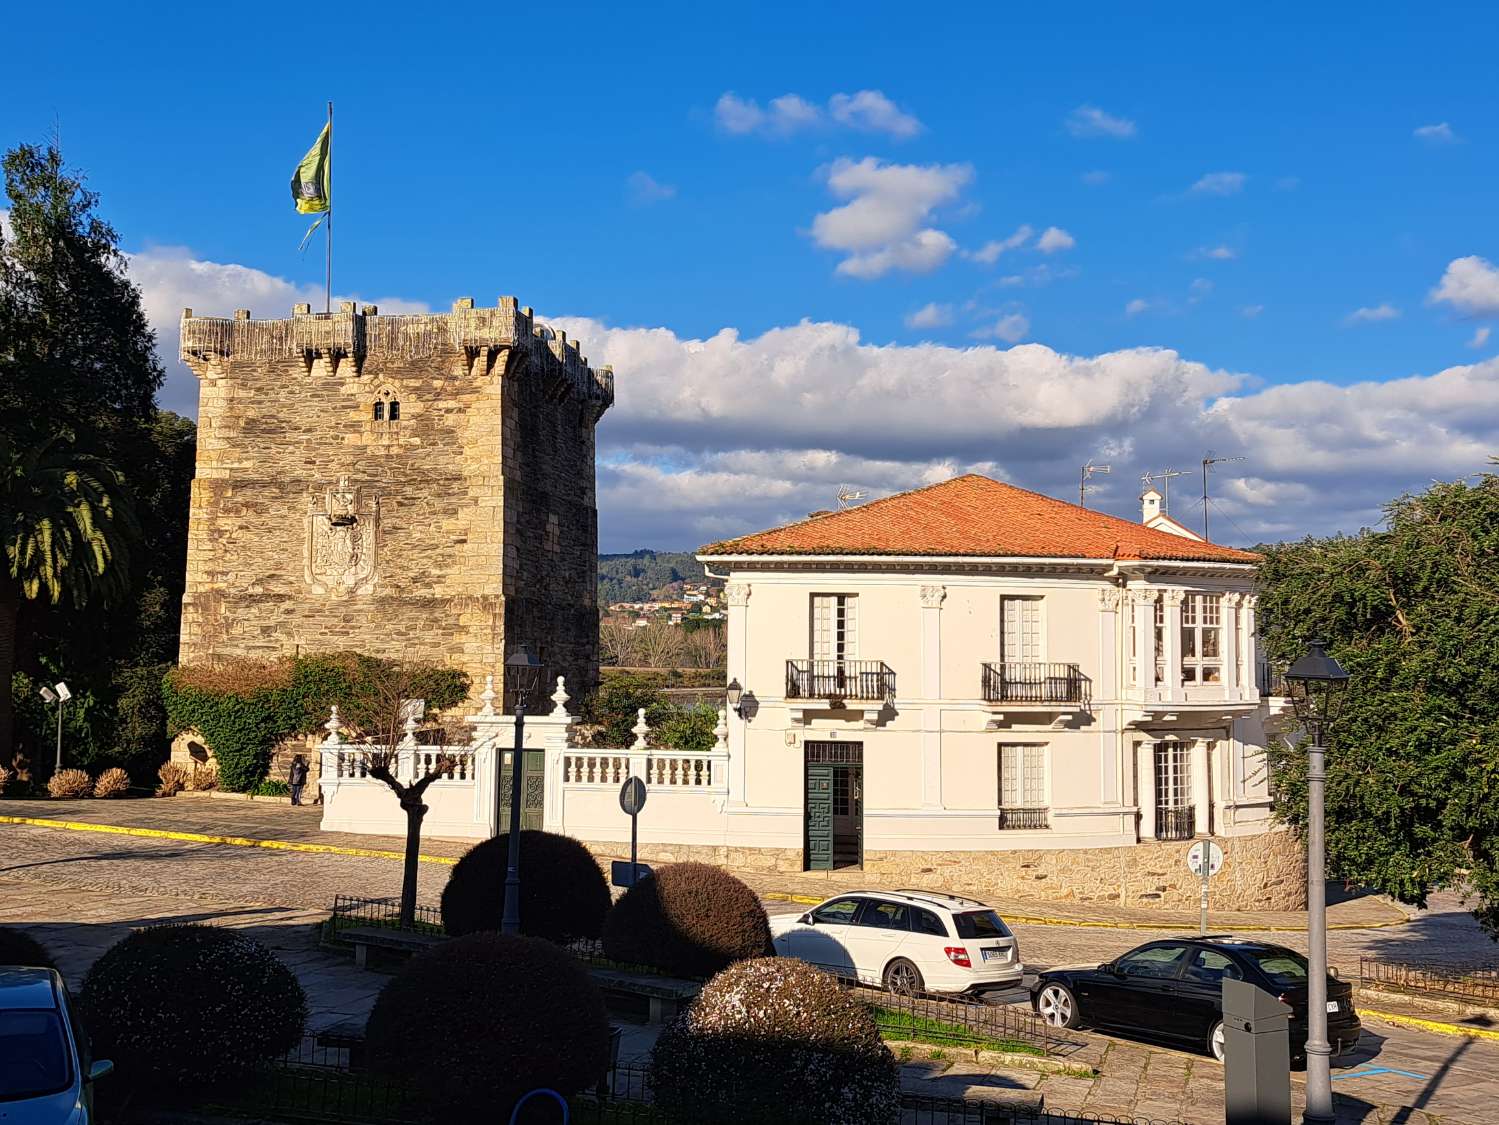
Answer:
x=664 y=996
x=363 y=938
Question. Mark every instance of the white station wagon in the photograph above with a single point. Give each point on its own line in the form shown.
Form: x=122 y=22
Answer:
x=908 y=941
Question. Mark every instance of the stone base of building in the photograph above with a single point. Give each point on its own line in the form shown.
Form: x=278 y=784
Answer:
x=1262 y=872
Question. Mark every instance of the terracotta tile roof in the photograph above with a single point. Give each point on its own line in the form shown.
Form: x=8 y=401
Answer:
x=973 y=515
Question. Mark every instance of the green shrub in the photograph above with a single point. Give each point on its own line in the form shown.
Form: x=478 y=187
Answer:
x=563 y=895
x=690 y=729
x=690 y=919
x=17 y=947
x=185 y=1006
x=616 y=705
x=270 y=787
x=478 y=1021
x=775 y=1040
x=70 y=783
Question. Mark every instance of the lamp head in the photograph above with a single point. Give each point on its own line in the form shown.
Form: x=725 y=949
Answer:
x=49 y=695
x=522 y=670
x=62 y=691
x=1317 y=683
x=733 y=694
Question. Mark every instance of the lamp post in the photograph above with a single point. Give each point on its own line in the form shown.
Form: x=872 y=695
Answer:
x=522 y=675
x=1316 y=683
x=58 y=694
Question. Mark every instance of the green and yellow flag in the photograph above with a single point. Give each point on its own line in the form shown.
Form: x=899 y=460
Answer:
x=312 y=182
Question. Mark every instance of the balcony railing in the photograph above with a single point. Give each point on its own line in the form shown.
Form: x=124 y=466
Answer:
x=861 y=680
x=1271 y=680
x=1023 y=818
x=1179 y=822
x=1036 y=683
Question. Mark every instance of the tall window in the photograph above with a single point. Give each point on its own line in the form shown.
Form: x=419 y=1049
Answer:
x=1020 y=631
x=1022 y=786
x=835 y=627
x=1160 y=641
x=1173 y=778
x=1202 y=637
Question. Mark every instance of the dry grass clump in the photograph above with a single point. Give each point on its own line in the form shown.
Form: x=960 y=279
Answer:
x=173 y=779
x=112 y=782
x=70 y=783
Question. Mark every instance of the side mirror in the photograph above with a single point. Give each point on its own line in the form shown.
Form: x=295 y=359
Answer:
x=102 y=1068
x=808 y=920
x=1112 y=968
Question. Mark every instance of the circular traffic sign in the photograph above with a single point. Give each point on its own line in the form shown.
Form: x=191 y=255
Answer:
x=632 y=795
x=1194 y=858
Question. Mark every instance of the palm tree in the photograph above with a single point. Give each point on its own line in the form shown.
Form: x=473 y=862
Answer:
x=66 y=525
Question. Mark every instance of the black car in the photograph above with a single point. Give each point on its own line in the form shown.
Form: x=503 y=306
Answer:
x=1173 y=990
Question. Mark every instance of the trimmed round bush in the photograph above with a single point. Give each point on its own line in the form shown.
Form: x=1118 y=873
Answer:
x=776 y=1040
x=112 y=783
x=478 y=1021
x=17 y=947
x=70 y=783
x=185 y=1006
x=691 y=919
x=563 y=895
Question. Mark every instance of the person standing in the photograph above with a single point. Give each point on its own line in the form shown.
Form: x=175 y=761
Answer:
x=296 y=778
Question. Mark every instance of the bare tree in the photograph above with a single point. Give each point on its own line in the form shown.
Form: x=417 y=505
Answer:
x=381 y=748
x=661 y=645
x=707 y=647
x=617 y=642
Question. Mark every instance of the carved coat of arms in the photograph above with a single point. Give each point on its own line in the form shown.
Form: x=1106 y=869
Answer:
x=342 y=527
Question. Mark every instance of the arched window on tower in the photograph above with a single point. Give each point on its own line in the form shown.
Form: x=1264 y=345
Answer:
x=379 y=410
x=395 y=410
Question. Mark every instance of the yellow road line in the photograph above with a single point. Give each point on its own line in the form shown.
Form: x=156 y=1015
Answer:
x=1437 y=1026
x=232 y=841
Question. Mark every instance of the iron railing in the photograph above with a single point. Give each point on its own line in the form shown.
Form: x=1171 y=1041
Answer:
x=1178 y=822
x=1024 y=818
x=1036 y=683
x=862 y=680
x=1271 y=681
x=1473 y=984
x=349 y=912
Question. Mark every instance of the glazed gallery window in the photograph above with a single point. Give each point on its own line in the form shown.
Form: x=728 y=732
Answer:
x=835 y=627
x=1020 y=631
x=1173 y=778
x=1202 y=639
x=1022 y=785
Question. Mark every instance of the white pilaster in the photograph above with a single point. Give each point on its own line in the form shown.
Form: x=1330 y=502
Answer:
x=1109 y=685
x=1251 y=643
x=1230 y=641
x=1143 y=602
x=932 y=598
x=1145 y=787
x=737 y=595
x=1201 y=789
x=1171 y=688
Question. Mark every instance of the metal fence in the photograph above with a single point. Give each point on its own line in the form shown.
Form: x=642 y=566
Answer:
x=840 y=679
x=1472 y=984
x=350 y=912
x=1035 y=683
x=1175 y=822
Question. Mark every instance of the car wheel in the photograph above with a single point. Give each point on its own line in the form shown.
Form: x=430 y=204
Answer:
x=1057 y=1006
x=1215 y=1041
x=903 y=977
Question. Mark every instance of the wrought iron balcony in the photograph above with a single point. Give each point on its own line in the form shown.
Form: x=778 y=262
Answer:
x=1179 y=822
x=1271 y=680
x=860 y=680
x=1023 y=818
x=1036 y=683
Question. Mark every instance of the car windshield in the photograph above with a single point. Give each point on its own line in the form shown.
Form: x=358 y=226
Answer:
x=980 y=924
x=33 y=1054
x=1285 y=968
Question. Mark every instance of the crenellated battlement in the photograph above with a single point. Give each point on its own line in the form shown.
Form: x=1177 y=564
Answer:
x=357 y=333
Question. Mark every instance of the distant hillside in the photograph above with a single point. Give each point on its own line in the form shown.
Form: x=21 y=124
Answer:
x=638 y=575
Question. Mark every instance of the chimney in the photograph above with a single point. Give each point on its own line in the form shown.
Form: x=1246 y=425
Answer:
x=1150 y=506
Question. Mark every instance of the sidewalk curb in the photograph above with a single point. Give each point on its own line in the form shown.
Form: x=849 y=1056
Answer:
x=232 y=841
x=1094 y=924
x=1437 y=1026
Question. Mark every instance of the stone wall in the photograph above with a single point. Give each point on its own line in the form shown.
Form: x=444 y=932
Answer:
x=450 y=534
x=1264 y=872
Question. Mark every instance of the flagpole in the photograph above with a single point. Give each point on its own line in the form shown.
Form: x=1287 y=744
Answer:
x=328 y=282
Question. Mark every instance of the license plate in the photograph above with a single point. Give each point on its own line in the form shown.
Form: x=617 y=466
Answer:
x=995 y=954
x=1332 y=1005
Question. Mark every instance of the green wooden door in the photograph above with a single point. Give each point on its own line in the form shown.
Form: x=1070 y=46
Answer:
x=533 y=789
x=819 y=851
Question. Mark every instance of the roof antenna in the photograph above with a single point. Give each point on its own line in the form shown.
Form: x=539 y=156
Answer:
x=1164 y=476
x=1207 y=463
x=1082 y=485
x=848 y=496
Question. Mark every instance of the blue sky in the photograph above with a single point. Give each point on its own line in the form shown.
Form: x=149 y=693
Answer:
x=1273 y=195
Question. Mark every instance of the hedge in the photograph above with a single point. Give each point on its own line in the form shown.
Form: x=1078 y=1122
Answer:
x=689 y=919
x=563 y=895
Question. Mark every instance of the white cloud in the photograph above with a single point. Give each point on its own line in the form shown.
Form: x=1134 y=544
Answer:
x=990 y=252
x=1288 y=183
x=1198 y=290
x=1090 y=121
x=1470 y=285
x=866 y=111
x=1249 y=312
x=871 y=112
x=1054 y=239
x=1372 y=314
x=930 y=315
x=1480 y=337
x=1039 y=275
x=1220 y=183
x=1011 y=328
x=644 y=188
x=1136 y=306
x=1097 y=178
x=882 y=228
x=1219 y=253
x=1439 y=134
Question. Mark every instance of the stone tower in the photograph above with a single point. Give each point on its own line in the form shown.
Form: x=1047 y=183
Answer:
x=418 y=487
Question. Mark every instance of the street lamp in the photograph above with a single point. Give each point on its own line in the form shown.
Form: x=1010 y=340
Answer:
x=59 y=694
x=1317 y=683
x=733 y=695
x=522 y=676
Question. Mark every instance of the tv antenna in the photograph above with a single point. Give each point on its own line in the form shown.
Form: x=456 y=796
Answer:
x=849 y=496
x=1207 y=463
x=1082 y=485
x=1164 y=476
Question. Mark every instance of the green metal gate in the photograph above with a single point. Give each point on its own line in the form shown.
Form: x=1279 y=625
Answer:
x=834 y=807
x=819 y=817
x=533 y=789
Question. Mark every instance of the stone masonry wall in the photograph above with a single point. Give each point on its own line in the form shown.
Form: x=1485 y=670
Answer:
x=451 y=534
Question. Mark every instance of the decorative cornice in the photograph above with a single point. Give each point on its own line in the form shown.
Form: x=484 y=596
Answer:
x=932 y=596
x=737 y=593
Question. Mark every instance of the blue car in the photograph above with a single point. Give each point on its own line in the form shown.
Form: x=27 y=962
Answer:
x=46 y=1074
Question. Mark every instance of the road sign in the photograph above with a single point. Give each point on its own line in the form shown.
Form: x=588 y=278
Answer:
x=623 y=873
x=632 y=796
x=1194 y=858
